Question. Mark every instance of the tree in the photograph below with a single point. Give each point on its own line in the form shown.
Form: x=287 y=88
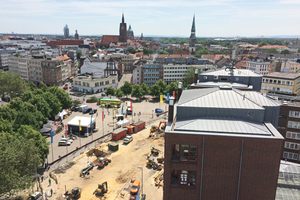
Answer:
x=32 y=86
x=136 y=91
x=188 y=76
x=43 y=87
x=17 y=55
x=158 y=88
x=126 y=88
x=5 y=126
x=62 y=96
x=53 y=102
x=93 y=53
x=272 y=50
x=262 y=44
x=147 y=51
x=18 y=160
x=11 y=84
x=76 y=103
x=131 y=50
x=200 y=52
x=250 y=57
x=173 y=86
x=285 y=52
x=119 y=93
x=110 y=91
x=145 y=89
x=78 y=55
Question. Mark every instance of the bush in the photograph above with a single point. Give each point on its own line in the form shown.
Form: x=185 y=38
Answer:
x=92 y=99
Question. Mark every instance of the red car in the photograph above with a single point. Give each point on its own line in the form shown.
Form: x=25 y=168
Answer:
x=65 y=87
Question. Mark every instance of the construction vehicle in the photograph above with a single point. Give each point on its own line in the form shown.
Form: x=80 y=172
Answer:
x=161 y=126
x=102 y=189
x=103 y=161
x=76 y=193
x=154 y=151
x=86 y=171
x=150 y=163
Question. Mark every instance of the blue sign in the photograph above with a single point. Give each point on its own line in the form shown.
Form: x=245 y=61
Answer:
x=122 y=111
x=52 y=134
x=168 y=96
x=185 y=89
x=91 y=120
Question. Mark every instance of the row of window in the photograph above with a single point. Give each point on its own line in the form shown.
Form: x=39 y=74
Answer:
x=292 y=135
x=278 y=82
x=291 y=145
x=289 y=155
x=292 y=124
x=295 y=114
x=284 y=90
x=170 y=72
x=183 y=178
x=184 y=153
x=176 y=67
x=96 y=84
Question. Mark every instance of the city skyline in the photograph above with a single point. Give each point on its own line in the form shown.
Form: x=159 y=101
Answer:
x=216 y=18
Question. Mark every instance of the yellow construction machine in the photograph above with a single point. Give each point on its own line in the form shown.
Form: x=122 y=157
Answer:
x=102 y=189
x=154 y=128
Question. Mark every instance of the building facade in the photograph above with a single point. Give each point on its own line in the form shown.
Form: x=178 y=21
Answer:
x=137 y=75
x=281 y=83
x=290 y=66
x=94 y=85
x=66 y=70
x=4 y=60
x=220 y=144
x=126 y=60
x=51 y=70
x=66 y=31
x=259 y=67
x=152 y=73
x=123 y=31
x=35 y=69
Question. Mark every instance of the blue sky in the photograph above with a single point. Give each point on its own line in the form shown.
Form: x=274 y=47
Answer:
x=227 y=18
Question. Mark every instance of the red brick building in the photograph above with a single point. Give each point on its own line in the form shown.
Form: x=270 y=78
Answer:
x=221 y=143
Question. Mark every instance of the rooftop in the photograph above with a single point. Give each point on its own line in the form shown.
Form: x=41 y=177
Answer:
x=282 y=75
x=236 y=72
x=85 y=121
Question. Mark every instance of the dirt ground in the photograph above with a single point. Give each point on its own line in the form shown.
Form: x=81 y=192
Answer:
x=121 y=170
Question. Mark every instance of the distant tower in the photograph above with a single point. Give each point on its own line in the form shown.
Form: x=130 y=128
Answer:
x=192 y=47
x=123 y=30
x=66 y=31
x=130 y=34
x=142 y=37
x=76 y=35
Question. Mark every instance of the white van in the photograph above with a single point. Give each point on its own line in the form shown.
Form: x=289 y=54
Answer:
x=82 y=108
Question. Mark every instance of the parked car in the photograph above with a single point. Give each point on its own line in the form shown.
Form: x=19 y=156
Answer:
x=65 y=87
x=87 y=110
x=93 y=111
x=36 y=196
x=75 y=109
x=6 y=99
x=102 y=95
x=127 y=139
x=66 y=139
x=158 y=110
x=66 y=84
x=64 y=143
x=134 y=189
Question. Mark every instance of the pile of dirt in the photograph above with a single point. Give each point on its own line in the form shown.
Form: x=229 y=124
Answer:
x=62 y=169
x=124 y=177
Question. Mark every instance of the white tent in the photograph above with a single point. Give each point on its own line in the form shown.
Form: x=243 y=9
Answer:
x=61 y=115
x=123 y=123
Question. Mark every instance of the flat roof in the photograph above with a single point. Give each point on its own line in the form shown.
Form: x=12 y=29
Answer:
x=216 y=84
x=282 y=75
x=236 y=72
x=85 y=121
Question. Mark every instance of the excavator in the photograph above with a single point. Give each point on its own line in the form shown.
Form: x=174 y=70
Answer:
x=154 y=128
x=86 y=171
x=102 y=189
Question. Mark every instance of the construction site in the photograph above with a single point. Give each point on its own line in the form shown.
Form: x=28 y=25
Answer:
x=109 y=170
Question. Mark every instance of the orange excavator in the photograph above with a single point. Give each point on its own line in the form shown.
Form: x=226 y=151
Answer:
x=154 y=128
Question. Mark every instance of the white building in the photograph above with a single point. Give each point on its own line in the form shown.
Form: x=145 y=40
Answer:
x=137 y=75
x=97 y=67
x=18 y=65
x=259 y=67
x=173 y=73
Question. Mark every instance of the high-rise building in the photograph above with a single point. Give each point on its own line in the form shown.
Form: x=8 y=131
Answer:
x=76 y=35
x=222 y=143
x=123 y=30
x=66 y=31
x=130 y=34
x=192 y=47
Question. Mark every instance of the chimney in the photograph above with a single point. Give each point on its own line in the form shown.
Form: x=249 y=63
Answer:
x=171 y=109
x=196 y=76
x=179 y=90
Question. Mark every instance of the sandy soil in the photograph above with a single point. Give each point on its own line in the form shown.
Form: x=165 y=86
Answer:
x=117 y=173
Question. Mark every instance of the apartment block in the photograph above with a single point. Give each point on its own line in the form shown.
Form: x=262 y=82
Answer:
x=259 y=67
x=19 y=65
x=152 y=73
x=282 y=83
x=66 y=71
x=51 y=70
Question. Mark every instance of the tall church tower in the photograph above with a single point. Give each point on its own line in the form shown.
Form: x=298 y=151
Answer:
x=123 y=30
x=192 y=47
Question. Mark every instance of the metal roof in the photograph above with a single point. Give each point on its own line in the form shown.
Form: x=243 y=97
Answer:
x=236 y=73
x=222 y=125
x=216 y=84
x=216 y=98
x=279 y=75
x=261 y=99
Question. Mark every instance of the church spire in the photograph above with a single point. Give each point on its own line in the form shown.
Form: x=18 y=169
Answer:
x=193 y=29
x=123 y=18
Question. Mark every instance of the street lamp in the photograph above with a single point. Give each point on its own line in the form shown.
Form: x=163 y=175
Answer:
x=142 y=179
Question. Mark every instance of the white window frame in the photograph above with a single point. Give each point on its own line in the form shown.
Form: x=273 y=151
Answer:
x=289 y=155
x=291 y=145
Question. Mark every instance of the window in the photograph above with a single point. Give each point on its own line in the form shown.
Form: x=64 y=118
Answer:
x=292 y=124
x=184 y=153
x=113 y=81
x=96 y=84
x=295 y=114
x=83 y=83
x=291 y=145
x=183 y=178
x=101 y=83
x=106 y=82
x=288 y=155
x=292 y=135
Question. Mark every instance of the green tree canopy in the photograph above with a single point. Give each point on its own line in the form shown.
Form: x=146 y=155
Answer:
x=93 y=53
x=32 y=86
x=188 y=76
x=18 y=160
x=126 y=88
x=53 y=102
x=11 y=84
x=78 y=55
x=285 y=52
x=250 y=57
x=131 y=50
x=136 y=91
x=173 y=86
x=110 y=91
x=62 y=96
x=5 y=126
x=145 y=89
x=158 y=88
x=262 y=43
x=272 y=50
x=119 y=93
x=148 y=51
x=43 y=87
x=200 y=52
x=76 y=103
